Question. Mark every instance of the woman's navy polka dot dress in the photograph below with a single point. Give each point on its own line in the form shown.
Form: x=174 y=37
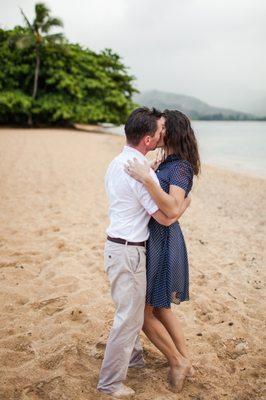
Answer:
x=167 y=262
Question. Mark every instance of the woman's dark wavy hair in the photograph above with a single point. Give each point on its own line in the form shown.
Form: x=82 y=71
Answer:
x=180 y=138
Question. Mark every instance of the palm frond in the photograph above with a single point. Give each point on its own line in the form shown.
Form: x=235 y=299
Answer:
x=54 y=38
x=26 y=20
x=41 y=13
x=51 y=22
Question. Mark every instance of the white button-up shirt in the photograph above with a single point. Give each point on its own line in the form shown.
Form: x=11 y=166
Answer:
x=130 y=204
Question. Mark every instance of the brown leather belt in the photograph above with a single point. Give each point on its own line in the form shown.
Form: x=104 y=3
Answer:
x=123 y=241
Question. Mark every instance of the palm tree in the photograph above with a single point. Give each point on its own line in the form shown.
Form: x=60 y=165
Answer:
x=36 y=36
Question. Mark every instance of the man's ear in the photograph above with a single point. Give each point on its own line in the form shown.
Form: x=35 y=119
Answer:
x=147 y=140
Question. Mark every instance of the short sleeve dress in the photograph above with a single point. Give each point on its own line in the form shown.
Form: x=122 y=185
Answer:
x=167 y=261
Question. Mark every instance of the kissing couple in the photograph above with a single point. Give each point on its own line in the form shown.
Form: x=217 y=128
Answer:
x=145 y=255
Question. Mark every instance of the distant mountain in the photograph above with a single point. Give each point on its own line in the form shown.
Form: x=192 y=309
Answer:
x=249 y=100
x=257 y=107
x=193 y=107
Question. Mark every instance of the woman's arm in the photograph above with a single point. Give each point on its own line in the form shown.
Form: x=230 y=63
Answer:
x=170 y=204
x=162 y=219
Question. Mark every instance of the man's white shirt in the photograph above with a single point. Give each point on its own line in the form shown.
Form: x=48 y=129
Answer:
x=130 y=204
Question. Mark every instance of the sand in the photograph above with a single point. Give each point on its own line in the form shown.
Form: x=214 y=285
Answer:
x=55 y=304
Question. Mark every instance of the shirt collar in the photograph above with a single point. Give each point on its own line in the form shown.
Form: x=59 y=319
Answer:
x=133 y=150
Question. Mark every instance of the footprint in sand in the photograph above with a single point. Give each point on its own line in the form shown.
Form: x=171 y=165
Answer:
x=46 y=389
x=78 y=315
x=10 y=265
x=229 y=348
x=51 y=361
x=203 y=313
x=18 y=343
x=201 y=280
x=50 y=306
x=16 y=351
x=97 y=351
x=13 y=359
x=235 y=348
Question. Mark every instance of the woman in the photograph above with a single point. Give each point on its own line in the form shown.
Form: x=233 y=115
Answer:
x=167 y=263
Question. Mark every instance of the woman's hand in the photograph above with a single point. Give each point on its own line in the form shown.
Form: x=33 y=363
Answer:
x=155 y=164
x=137 y=170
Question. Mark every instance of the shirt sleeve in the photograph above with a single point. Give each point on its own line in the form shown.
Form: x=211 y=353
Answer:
x=181 y=175
x=143 y=195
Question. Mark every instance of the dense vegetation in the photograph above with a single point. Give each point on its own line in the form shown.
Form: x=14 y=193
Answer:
x=45 y=80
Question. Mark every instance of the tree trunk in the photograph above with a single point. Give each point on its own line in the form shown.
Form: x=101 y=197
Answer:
x=37 y=70
x=36 y=78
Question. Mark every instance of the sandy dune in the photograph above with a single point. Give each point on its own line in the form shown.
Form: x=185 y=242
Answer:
x=55 y=304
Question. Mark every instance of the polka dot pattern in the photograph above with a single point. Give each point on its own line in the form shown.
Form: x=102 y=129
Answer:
x=167 y=260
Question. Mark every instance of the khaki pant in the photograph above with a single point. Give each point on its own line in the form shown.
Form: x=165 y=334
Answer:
x=126 y=269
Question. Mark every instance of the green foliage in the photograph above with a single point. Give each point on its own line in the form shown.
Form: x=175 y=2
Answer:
x=37 y=31
x=14 y=107
x=75 y=84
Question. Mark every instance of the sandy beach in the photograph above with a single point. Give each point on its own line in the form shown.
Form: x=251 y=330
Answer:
x=55 y=304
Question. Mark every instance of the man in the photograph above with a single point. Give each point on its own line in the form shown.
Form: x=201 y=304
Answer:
x=130 y=209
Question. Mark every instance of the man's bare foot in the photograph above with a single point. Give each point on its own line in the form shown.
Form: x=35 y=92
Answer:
x=177 y=375
x=121 y=393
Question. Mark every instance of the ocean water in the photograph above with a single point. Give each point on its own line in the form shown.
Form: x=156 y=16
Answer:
x=238 y=146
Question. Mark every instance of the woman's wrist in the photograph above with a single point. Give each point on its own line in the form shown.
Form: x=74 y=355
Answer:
x=147 y=179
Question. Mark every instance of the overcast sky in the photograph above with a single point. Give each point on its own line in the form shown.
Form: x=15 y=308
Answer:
x=211 y=49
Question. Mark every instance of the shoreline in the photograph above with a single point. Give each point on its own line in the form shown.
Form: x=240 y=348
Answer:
x=91 y=129
x=244 y=173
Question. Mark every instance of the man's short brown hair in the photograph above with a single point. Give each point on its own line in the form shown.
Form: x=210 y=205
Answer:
x=141 y=122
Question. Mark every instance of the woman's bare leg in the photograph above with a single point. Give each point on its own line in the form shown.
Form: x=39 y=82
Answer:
x=174 y=328
x=159 y=336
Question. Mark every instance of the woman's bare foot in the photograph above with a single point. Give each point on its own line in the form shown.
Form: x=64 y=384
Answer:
x=191 y=372
x=177 y=375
